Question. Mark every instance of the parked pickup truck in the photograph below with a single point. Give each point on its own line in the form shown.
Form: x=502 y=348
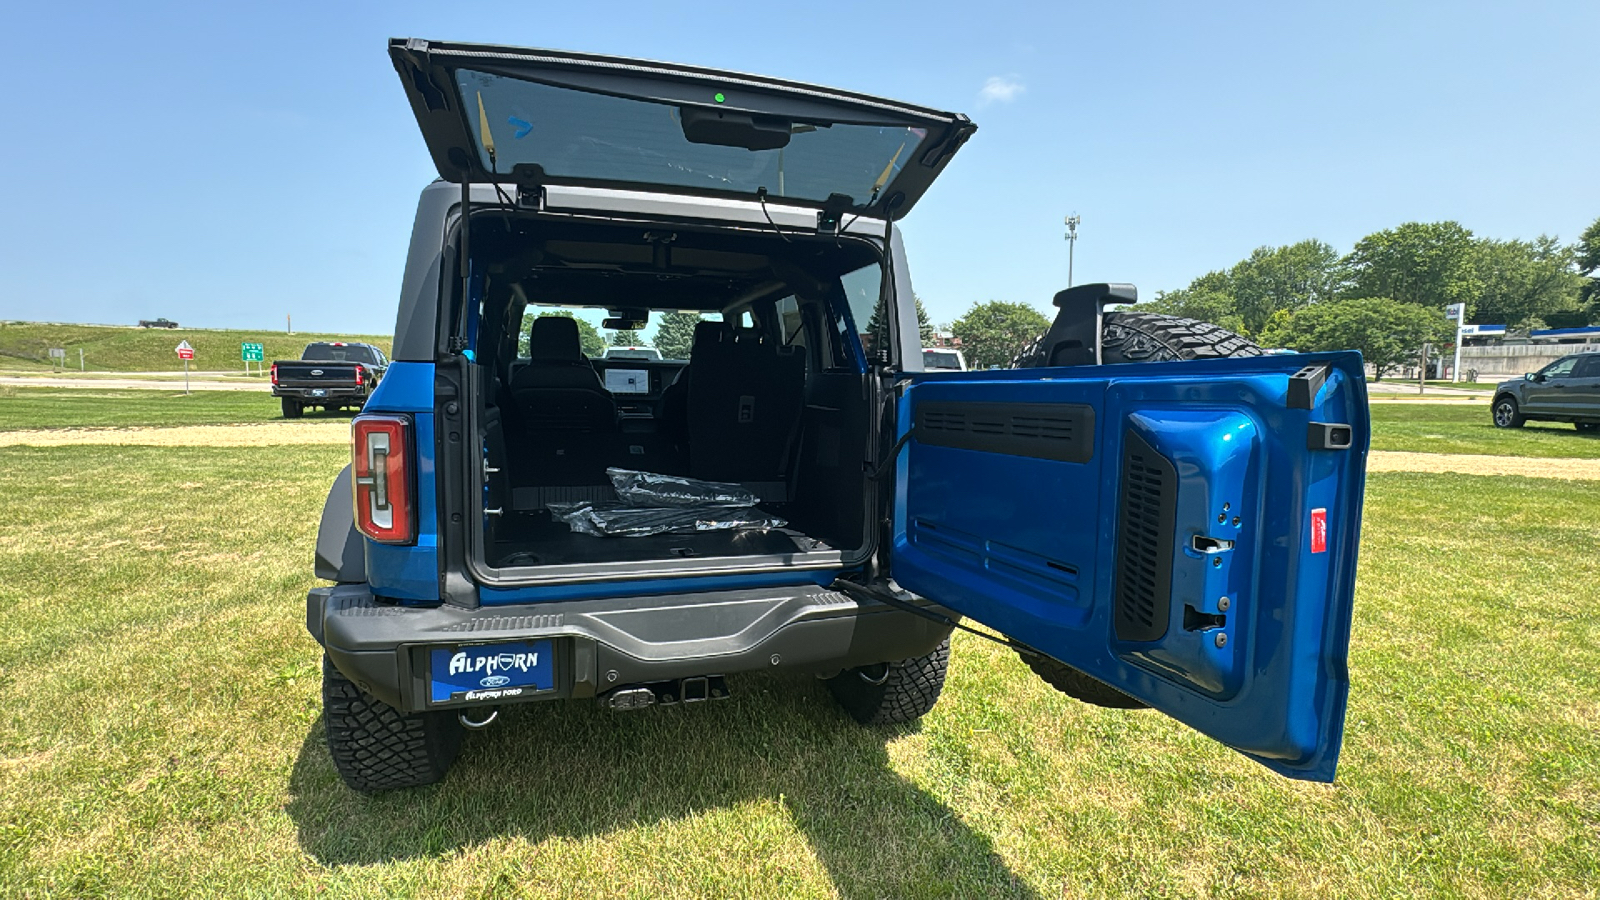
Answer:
x=157 y=323
x=330 y=374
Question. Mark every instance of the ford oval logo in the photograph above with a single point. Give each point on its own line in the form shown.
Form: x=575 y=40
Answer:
x=316 y=371
x=494 y=681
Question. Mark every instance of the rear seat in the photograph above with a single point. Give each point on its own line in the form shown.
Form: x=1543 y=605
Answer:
x=744 y=409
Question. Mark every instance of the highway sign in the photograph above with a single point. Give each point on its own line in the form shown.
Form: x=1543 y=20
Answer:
x=252 y=352
x=185 y=351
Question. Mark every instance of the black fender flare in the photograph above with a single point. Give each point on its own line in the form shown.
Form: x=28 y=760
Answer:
x=341 y=553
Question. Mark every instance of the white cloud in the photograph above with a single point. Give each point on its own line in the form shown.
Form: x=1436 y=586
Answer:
x=1000 y=89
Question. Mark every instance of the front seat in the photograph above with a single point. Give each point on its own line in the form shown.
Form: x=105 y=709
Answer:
x=563 y=411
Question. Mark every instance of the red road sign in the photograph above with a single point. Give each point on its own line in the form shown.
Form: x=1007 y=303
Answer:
x=186 y=354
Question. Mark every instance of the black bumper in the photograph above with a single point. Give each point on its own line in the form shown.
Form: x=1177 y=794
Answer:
x=342 y=392
x=604 y=644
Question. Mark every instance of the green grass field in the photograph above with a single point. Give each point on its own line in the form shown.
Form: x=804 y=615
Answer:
x=27 y=408
x=1462 y=428
x=160 y=732
x=108 y=348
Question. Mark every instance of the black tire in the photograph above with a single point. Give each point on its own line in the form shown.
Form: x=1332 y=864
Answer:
x=1077 y=685
x=1587 y=427
x=892 y=693
x=292 y=409
x=1506 y=413
x=376 y=747
x=1130 y=337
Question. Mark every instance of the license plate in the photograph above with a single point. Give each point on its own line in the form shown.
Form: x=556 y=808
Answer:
x=490 y=671
x=319 y=393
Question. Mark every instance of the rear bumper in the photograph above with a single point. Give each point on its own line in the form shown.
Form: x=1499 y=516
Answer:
x=329 y=392
x=601 y=645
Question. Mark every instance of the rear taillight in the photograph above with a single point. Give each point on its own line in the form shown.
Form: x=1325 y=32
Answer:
x=274 y=374
x=380 y=463
x=359 y=373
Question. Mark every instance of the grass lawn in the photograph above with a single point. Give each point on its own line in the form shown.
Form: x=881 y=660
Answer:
x=160 y=732
x=1447 y=428
x=111 y=348
x=23 y=408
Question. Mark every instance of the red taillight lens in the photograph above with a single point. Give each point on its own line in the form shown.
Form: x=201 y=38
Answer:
x=380 y=466
x=359 y=373
x=274 y=374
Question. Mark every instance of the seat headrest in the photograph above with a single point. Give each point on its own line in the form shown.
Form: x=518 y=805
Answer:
x=554 y=338
x=709 y=333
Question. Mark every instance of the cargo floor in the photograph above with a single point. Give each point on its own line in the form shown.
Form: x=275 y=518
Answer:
x=538 y=541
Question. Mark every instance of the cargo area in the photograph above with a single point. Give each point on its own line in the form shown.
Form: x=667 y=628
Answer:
x=772 y=394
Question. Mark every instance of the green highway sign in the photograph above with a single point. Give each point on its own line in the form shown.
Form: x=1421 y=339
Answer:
x=252 y=352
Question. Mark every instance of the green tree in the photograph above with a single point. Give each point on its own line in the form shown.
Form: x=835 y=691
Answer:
x=1208 y=298
x=627 y=338
x=993 y=333
x=589 y=338
x=1387 y=333
x=1523 y=282
x=1288 y=277
x=875 y=325
x=1434 y=264
x=1588 y=262
x=675 y=334
x=1244 y=297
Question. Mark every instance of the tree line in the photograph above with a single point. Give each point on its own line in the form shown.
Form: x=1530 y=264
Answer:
x=1386 y=297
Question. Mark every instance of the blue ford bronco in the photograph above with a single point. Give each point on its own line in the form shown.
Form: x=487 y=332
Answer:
x=1149 y=510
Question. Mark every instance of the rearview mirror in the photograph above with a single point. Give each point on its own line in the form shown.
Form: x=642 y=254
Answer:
x=727 y=128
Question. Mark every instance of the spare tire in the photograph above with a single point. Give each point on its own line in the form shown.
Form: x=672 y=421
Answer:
x=1130 y=337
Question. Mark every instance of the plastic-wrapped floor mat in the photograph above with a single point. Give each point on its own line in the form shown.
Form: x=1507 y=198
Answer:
x=648 y=489
x=617 y=519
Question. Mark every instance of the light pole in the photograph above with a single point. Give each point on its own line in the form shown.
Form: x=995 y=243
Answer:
x=1072 y=243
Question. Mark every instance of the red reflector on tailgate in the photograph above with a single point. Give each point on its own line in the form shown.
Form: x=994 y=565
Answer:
x=1319 y=530
x=380 y=469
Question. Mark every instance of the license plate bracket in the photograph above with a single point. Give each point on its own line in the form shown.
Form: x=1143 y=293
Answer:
x=489 y=673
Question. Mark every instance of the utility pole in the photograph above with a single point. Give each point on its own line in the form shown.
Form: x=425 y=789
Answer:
x=1072 y=243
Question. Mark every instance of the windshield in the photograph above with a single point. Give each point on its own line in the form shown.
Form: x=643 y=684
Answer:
x=941 y=359
x=338 y=353
x=582 y=135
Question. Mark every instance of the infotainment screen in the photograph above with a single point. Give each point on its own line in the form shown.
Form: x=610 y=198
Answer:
x=628 y=381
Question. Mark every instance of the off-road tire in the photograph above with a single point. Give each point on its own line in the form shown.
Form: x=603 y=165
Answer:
x=1077 y=685
x=1506 y=413
x=1129 y=337
x=376 y=747
x=892 y=693
x=292 y=409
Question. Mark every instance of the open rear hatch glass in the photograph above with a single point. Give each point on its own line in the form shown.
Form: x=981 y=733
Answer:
x=547 y=117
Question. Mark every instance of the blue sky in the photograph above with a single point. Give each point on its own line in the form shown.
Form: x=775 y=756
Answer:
x=226 y=165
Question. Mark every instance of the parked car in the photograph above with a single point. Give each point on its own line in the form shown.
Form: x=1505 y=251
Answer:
x=157 y=323
x=1567 y=390
x=334 y=375
x=650 y=353
x=936 y=359
x=1180 y=535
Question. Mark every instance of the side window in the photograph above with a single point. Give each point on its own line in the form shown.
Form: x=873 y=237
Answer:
x=1561 y=368
x=791 y=322
x=1588 y=367
x=863 y=288
x=746 y=320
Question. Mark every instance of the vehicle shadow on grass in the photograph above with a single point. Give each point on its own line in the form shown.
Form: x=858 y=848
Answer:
x=573 y=770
